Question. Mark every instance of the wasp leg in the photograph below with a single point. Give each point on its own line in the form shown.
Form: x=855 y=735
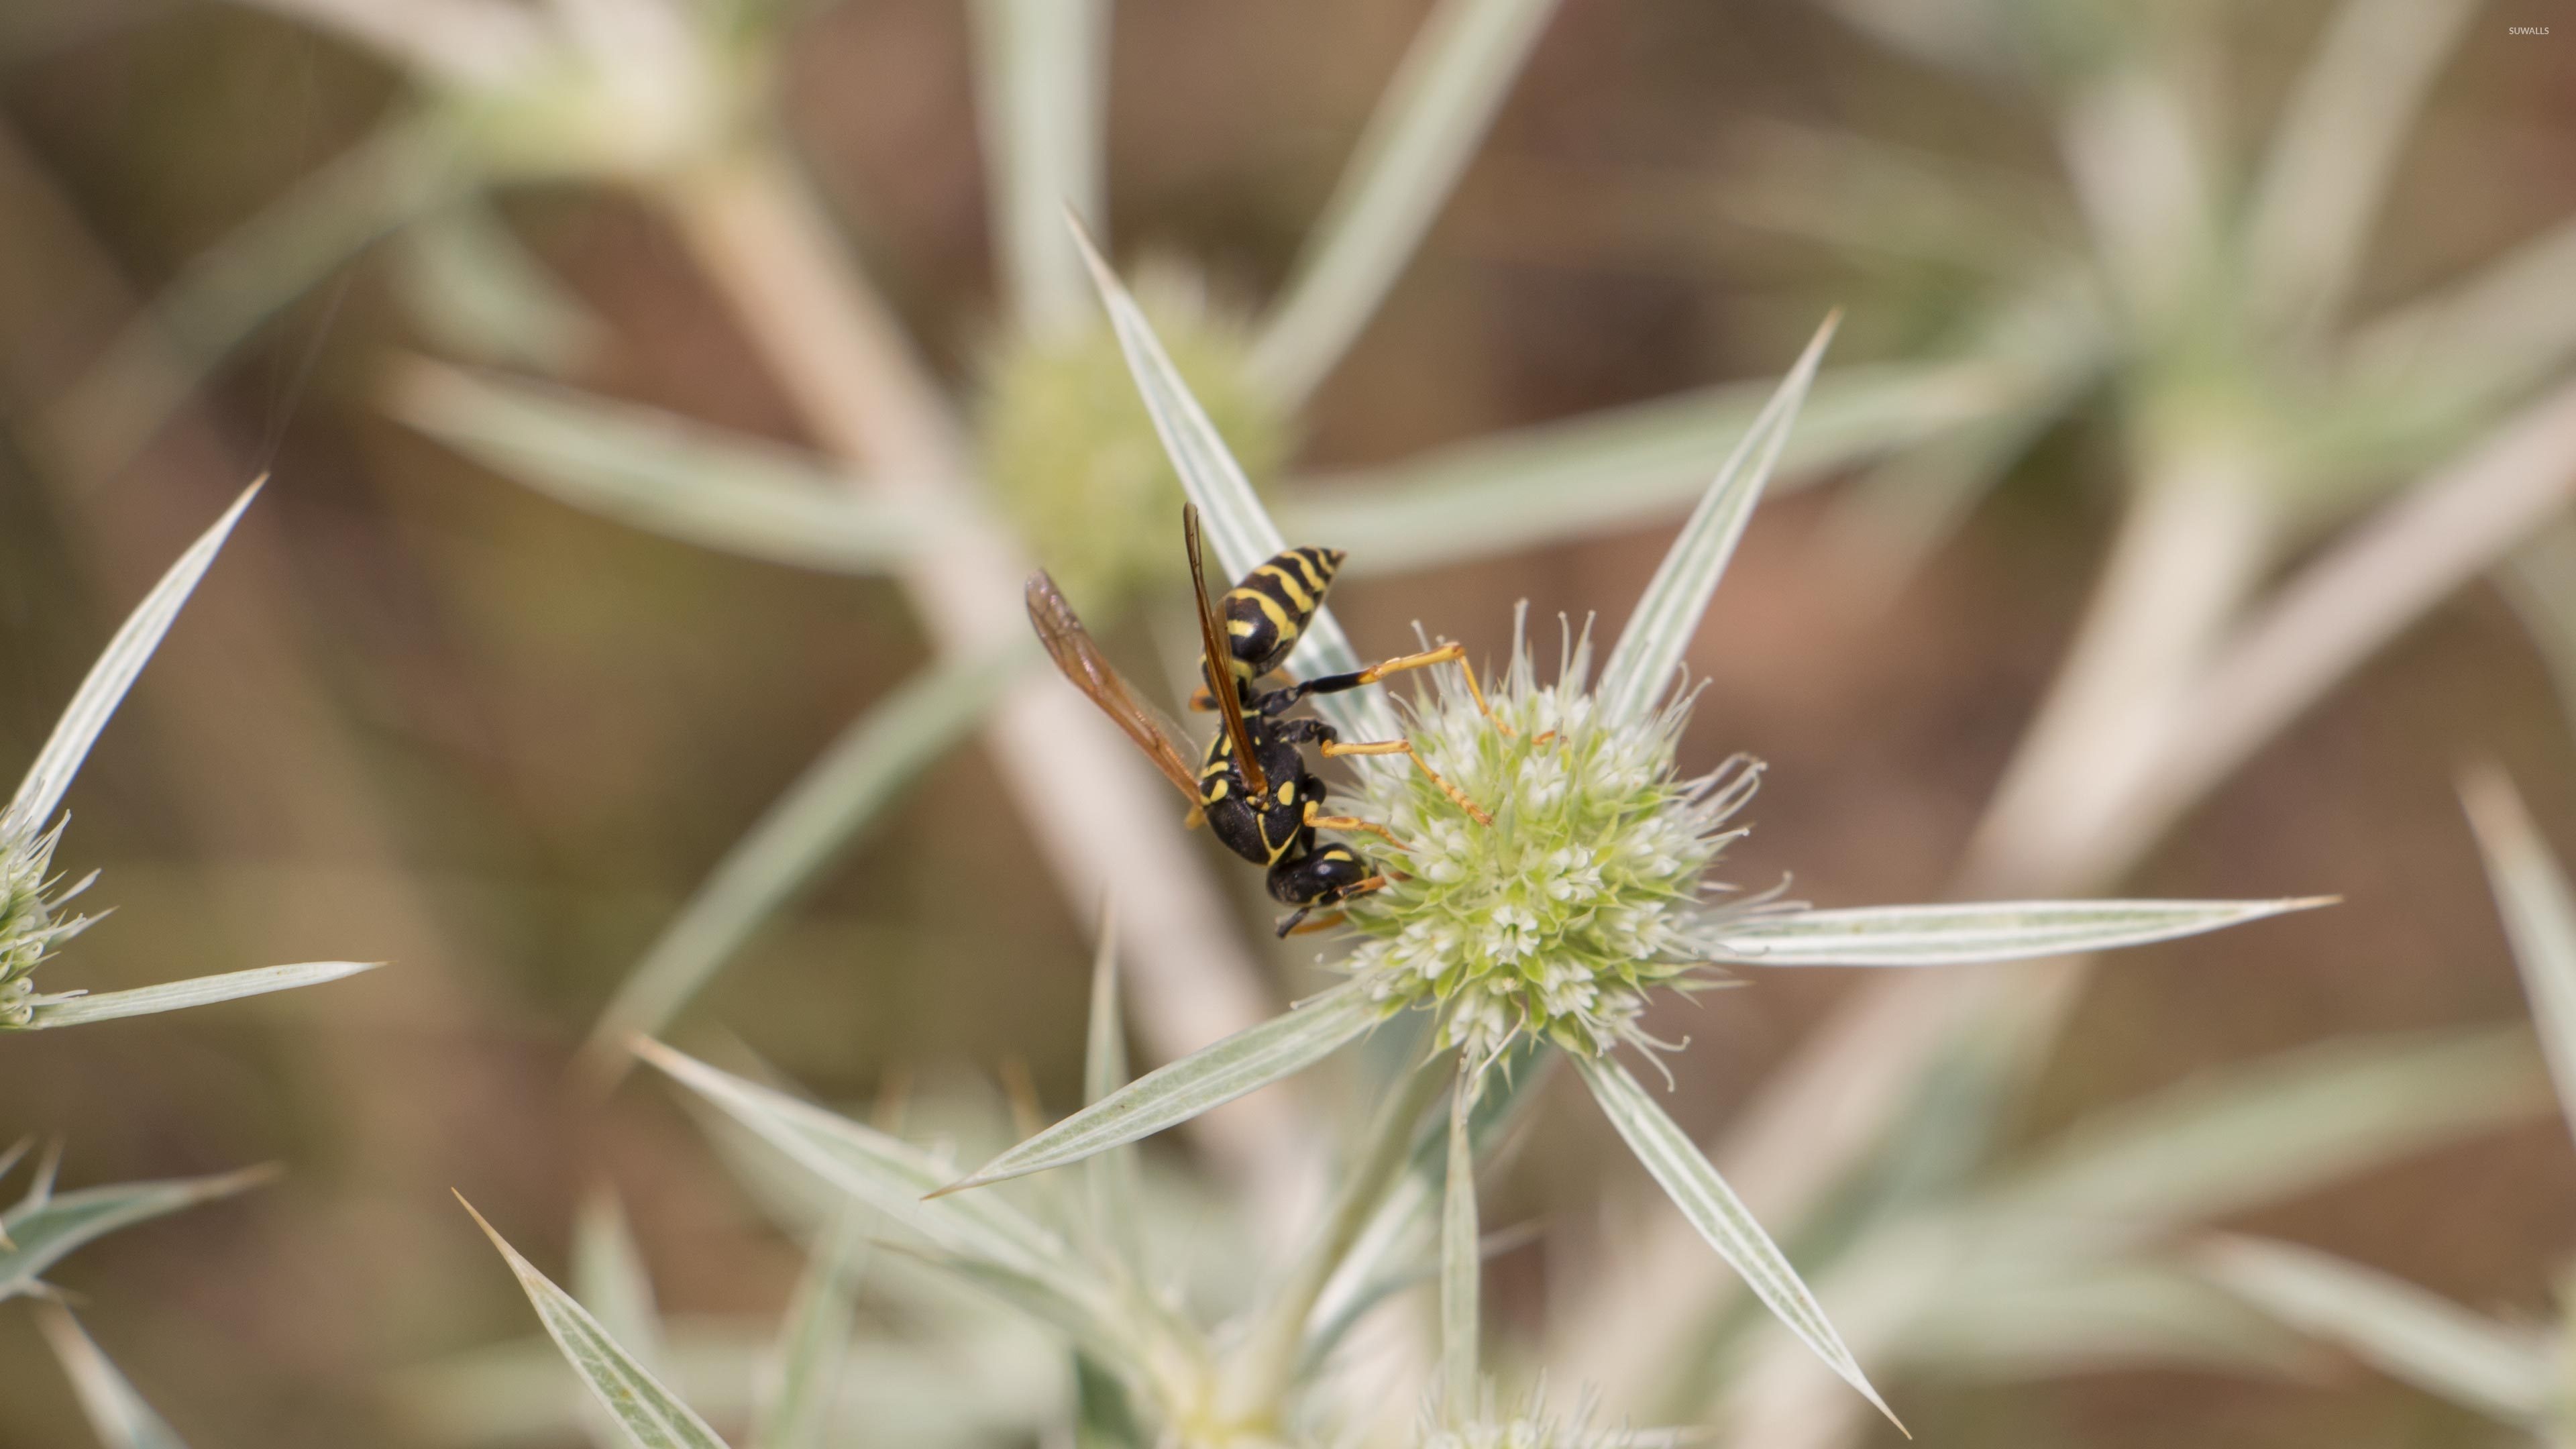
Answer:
x=1456 y=796
x=1352 y=822
x=1452 y=653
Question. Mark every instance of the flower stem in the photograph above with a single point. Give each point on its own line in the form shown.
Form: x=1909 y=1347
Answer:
x=1264 y=1369
x=1461 y=1265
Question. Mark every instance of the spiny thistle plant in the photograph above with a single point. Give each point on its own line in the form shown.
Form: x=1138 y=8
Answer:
x=1556 y=924
x=1592 y=783
x=33 y=921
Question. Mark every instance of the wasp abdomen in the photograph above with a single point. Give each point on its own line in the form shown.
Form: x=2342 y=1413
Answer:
x=1267 y=612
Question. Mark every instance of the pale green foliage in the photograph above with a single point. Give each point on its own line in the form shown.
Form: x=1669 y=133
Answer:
x=2500 y=1369
x=1041 y=102
x=1630 y=837
x=796 y=1413
x=45 y=1226
x=1547 y=940
x=50 y=774
x=1586 y=890
x=476 y=290
x=2539 y=915
x=1072 y=458
x=658 y=471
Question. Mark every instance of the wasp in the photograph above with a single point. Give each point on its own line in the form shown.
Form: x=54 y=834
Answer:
x=1251 y=785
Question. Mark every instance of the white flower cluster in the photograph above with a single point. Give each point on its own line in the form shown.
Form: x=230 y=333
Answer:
x=1528 y=1426
x=32 y=923
x=1585 y=891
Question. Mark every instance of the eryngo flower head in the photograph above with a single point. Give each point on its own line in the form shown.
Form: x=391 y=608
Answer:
x=1586 y=891
x=32 y=919
x=1073 y=458
x=1525 y=1426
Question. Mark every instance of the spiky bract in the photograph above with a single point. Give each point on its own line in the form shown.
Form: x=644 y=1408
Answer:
x=32 y=920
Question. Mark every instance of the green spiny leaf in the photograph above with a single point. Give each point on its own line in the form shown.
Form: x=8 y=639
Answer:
x=1171 y=1094
x=99 y=694
x=80 y=1009
x=1237 y=525
x=1960 y=934
x=1720 y=1217
x=1650 y=649
x=1417 y=144
x=649 y=1414
x=46 y=1226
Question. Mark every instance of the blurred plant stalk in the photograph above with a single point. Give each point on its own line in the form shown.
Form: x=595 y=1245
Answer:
x=1102 y=821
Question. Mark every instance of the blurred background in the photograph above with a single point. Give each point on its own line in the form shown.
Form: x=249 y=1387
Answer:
x=422 y=712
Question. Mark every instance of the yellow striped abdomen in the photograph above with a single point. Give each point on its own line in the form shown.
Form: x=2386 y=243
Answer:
x=1267 y=612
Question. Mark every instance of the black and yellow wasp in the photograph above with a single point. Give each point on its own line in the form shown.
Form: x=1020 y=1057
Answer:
x=1251 y=783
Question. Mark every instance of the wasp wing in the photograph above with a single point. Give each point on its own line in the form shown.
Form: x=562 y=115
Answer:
x=1220 y=671
x=1078 y=655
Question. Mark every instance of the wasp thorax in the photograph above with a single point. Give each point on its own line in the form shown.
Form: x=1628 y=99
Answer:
x=1584 y=893
x=1074 y=459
